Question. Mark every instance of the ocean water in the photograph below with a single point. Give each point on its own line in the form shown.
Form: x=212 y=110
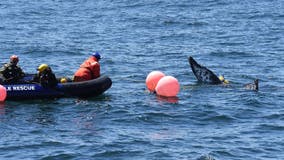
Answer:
x=241 y=40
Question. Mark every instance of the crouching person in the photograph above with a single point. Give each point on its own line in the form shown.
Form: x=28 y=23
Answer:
x=45 y=76
x=89 y=69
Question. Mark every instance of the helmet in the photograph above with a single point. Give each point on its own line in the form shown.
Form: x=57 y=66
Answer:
x=14 y=59
x=63 y=80
x=97 y=55
x=42 y=67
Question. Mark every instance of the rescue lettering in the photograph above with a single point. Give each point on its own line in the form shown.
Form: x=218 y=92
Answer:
x=22 y=88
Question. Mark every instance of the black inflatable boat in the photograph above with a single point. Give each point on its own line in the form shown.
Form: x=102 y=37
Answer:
x=89 y=88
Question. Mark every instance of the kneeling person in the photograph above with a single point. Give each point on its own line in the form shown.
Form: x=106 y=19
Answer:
x=45 y=76
x=89 y=69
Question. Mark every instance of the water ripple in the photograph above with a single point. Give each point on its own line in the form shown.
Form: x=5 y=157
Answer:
x=242 y=40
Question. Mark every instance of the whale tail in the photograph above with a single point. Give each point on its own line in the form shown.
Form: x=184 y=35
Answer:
x=252 y=86
x=203 y=74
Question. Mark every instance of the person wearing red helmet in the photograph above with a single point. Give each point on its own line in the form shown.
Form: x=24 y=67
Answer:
x=89 y=69
x=11 y=72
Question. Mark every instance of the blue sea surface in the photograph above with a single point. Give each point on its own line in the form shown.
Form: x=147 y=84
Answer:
x=242 y=40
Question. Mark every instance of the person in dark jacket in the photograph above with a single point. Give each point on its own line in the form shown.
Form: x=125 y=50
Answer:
x=11 y=73
x=45 y=76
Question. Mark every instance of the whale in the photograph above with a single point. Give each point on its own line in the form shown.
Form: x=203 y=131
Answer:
x=203 y=74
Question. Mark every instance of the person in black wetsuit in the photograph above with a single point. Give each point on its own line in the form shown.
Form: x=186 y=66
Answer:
x=11 y=73
x=45 y=76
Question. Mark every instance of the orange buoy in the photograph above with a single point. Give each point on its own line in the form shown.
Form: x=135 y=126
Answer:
x=3 y=93
x=168 y=86
x=153 y=79
x=167 y=99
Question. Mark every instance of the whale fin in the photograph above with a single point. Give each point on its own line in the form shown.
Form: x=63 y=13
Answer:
x=252 y=86
x=203 y=74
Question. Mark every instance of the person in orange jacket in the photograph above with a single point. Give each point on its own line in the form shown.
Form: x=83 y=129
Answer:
x=89 y=69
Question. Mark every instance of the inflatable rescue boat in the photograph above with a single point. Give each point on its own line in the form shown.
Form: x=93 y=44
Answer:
x=27 y=90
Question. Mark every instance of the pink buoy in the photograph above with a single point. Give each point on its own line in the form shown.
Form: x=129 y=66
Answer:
x=153 y=79
x=168 y=86
x=167 y=99
x=3 y=93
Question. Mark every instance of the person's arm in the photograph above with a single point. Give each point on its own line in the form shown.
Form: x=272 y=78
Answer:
x=43 y=80
x=96 y=69
x=3 y=71
x=21 y=73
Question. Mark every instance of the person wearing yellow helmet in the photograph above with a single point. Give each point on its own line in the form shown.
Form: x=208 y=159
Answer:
x=42 y=67
x=45 y=76
x=10 y=72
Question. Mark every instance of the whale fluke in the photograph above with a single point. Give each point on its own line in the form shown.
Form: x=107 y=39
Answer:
x=203 y=74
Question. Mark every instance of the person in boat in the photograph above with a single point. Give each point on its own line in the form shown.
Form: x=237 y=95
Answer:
x=10 y=72
x=89 y=69
x=45 y=76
